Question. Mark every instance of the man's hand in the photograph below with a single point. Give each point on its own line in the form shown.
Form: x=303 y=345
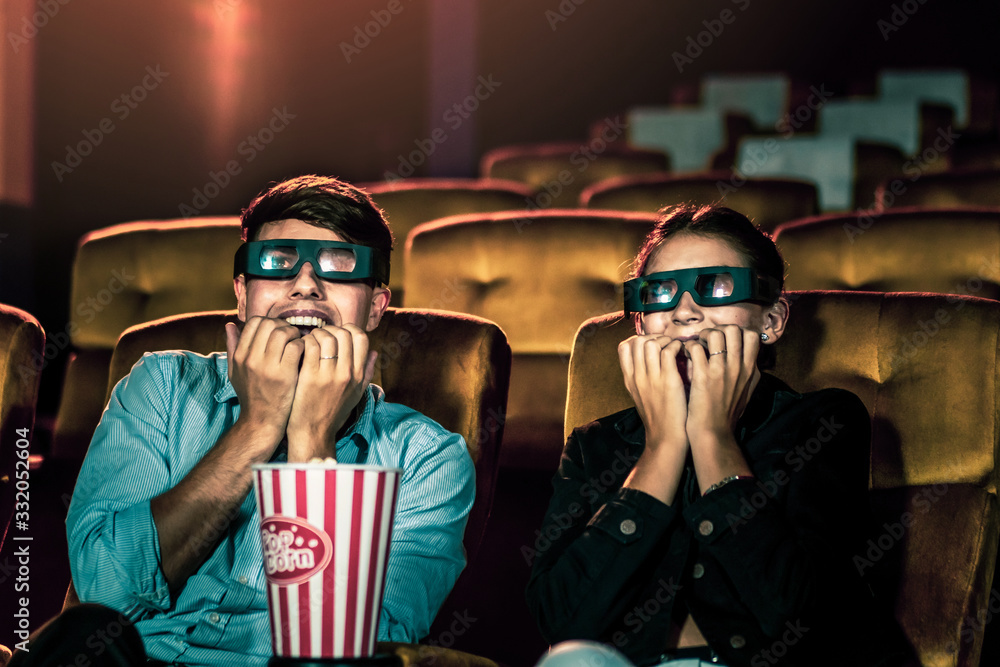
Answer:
x=263 y=367
x=337 y=367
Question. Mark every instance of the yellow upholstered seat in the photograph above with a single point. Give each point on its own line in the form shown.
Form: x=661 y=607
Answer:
x=942 y=251
x=409 y=202
x=960 y=187
x=453 y=368
x=926 y=368
x=22 y=346
x=124 y=275
x=558 y=172
x=767 y=201
x=537 y=275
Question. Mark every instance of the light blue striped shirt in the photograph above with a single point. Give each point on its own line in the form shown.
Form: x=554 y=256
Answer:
x=161 y=420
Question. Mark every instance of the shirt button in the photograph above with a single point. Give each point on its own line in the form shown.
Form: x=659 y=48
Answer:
x=706 y=527
x=243 y=580
x=214 y=618
x=627 y=527
x=699 y=571
x=737 y=641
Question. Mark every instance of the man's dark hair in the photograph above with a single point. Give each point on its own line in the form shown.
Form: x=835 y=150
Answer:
x=725 y=224
x=323 y=201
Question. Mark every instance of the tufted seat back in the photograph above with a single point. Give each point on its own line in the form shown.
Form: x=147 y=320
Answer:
x=767 y=201
x=410 y=202
x=557 y=172
x=954 y=251
x=537 y=275
x=925 y=365
x=131 y=273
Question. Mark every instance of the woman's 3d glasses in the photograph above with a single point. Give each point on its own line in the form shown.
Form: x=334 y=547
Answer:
x=708 y=286
x=332 y=260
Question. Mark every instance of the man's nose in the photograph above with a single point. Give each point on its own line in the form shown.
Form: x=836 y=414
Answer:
x=306 y=283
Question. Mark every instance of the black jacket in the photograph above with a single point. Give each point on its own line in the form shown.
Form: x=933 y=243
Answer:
x=763 y=565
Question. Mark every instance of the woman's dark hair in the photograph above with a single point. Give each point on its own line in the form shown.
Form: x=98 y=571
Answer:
x=719 y=222
x=322 y=201
x=735 y=229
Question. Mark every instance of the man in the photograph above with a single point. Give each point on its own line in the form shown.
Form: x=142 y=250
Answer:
x=163 y=527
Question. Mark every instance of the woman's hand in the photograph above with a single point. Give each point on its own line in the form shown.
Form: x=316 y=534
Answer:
x=723 y=375
x=649 y=367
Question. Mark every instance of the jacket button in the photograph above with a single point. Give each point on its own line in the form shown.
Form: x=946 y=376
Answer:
x=737 y=641
x=213 y=617
x=243 y=580
x=706 y=527
x=627 y=527
x=699 y=571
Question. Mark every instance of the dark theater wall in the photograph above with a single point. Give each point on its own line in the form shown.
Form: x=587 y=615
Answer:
x=223 y=96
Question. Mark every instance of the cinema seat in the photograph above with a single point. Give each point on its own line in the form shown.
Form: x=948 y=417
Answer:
x=767 y=201
x=958 y=187
x=411 y=201
x=947 y=251
x=558 y=172
x=126 y=274
x=933 y=400
x=846 y=172
x=22 y=346
x=538 y=275
x=453 y=368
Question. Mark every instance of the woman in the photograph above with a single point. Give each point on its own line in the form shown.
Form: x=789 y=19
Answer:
x=729 y=536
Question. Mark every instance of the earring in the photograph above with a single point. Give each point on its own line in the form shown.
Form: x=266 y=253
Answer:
x=764 y=337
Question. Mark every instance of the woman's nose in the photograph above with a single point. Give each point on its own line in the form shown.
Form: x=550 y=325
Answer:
x=686 y=310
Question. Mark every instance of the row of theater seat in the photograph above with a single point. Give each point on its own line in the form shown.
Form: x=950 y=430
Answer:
x=933 y=468
x=536 y=273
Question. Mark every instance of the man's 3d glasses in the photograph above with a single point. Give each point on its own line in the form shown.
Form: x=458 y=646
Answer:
x=708 y=286
x=332 y=260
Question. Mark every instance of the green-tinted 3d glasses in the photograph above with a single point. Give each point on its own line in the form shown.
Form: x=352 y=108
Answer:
x=708 y=286
x=331 y=260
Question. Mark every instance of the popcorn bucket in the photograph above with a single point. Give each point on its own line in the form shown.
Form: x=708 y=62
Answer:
x=325 y=531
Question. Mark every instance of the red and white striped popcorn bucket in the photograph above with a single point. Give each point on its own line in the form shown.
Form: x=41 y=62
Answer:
x=325 y=532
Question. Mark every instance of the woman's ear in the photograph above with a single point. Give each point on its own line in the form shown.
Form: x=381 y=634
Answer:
x=775 y=319
x=638 y=324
